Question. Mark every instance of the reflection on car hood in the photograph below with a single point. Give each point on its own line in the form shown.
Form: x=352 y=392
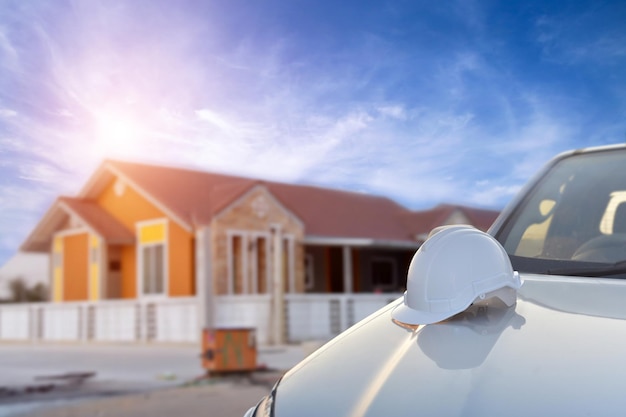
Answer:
x=559 y=351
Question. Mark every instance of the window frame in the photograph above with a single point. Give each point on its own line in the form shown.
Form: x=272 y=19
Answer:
x=140 y=246
x=250 y=277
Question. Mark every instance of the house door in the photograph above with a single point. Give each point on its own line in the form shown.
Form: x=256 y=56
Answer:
x=75 y=267
x=114 y=273
x=335 y=269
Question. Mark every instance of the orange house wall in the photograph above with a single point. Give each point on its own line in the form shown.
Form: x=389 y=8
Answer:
x=75 y=267
x=181 y=261
x=130 y=208
x=129 y=268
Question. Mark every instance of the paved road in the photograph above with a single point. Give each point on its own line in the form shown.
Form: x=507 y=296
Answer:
x=150 y=370
x=219 y=400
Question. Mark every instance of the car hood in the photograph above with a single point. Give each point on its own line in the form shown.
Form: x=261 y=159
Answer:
x=561 y=350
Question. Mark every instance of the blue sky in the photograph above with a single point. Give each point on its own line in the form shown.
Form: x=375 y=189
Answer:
x=425 y=102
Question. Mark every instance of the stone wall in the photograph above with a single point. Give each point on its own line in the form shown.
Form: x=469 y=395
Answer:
x=252 y=216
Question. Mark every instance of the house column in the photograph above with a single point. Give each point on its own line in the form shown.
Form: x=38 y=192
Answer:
x=94 y=275
x=278 y=288
x=347 y=270
x=205 y=291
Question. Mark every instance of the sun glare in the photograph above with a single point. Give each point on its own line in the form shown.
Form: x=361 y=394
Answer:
x=117 y=134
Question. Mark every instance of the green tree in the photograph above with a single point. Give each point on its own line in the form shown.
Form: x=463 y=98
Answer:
x=21 y=292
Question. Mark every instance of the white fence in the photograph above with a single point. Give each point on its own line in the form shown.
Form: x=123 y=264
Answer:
x=164 y=320
x=323 y=316
x=307 y=317
x=245 y=311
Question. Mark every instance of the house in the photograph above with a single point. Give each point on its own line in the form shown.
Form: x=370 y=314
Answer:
x=152 y=233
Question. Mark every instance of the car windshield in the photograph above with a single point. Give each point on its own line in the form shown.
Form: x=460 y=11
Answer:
x=573 y=221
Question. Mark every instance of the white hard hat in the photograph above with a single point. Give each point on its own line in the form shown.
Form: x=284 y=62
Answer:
x=455 y=267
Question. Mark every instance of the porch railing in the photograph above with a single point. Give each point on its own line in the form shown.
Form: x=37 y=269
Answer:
x=175 y=320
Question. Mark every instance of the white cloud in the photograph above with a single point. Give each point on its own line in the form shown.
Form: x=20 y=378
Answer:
x=394 y=111
x=275 y=151
x=8 y=53
x=537 y=140
x=559 y=37
x=7 y=113
x=494 y=195
x=346 y=126
x=451 y=75
x=217 y=120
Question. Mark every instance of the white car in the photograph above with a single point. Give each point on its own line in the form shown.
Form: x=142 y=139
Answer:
x=528 y=320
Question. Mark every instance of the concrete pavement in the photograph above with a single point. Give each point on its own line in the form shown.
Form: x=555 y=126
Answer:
x=121 y=370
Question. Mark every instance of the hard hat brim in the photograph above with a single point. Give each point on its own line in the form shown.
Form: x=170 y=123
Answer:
x=407 y=315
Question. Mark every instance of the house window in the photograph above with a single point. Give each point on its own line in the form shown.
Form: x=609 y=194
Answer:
x=248 y=262
x=153 y=269
x=153 y=263
x=383 y=274
x=237 y=265
x=261 y=256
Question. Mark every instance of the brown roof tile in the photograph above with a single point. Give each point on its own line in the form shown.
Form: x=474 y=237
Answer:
x=335 y=213
x=195 y=197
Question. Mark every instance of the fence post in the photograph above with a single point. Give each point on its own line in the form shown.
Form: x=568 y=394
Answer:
x=287 y=315
x=82 y=323
x=344 y=312
x=32 y=323
x=139 y=326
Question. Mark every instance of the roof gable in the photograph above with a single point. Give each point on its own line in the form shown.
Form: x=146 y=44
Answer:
x=92 y=216
x=263 y=203
x=189 y=197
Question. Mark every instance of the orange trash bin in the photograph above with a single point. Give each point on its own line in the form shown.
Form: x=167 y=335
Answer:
x=229 y=350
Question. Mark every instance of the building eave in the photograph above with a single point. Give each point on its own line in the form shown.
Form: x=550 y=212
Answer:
x=359 y=242
x=40 y=237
